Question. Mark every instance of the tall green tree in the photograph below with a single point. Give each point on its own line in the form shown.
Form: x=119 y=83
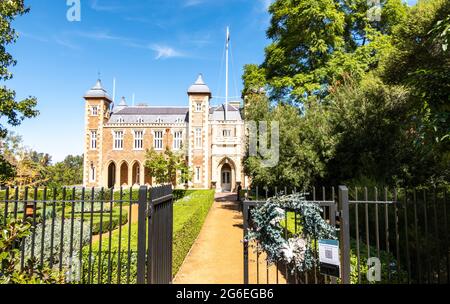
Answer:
x=12 y=112
x=316 y=42
x=371 y=96
x=69 y=172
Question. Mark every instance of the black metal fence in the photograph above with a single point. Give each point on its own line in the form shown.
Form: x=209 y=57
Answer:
x=406 y=230
x=95 y=236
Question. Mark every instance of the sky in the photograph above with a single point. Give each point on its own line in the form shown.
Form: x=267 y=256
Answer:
x=154 y=48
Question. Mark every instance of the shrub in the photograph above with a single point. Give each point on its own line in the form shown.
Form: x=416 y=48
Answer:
x=53 y=253
x=13 y=233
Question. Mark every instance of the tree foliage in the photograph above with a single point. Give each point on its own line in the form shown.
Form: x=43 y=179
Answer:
x=31 y=168
x=315 y=42
x=356 y=98
x=11 y=110
x=166 y=167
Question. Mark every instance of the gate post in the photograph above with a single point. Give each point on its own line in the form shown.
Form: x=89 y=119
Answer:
x=345 y=234
x=142 y=242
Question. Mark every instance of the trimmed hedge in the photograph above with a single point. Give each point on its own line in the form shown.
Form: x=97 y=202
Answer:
x=190 y=211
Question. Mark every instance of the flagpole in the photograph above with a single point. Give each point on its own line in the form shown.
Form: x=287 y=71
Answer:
x=226 y=74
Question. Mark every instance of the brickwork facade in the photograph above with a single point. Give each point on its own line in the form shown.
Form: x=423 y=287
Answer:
x=117 y=138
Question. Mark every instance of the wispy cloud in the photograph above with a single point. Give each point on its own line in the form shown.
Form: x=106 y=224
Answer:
x=33 y=37
x=96 y=5
x=100 y=35
x=266 y=3
x=65 y=43
x=189 y=3
x=165 y=52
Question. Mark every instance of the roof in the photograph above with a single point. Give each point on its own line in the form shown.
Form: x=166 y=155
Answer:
x=97 y=91
x=151 y=115
x=199 y=87
x=218 y=113
x=146 y=110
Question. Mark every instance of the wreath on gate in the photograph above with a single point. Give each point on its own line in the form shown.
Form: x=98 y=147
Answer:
x=298 y=249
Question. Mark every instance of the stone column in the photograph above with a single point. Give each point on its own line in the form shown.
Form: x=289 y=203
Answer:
x=142 y=175
x=117 y=181
x=130 y=176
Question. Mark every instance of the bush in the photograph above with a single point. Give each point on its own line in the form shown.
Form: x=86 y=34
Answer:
x=13 y=234
x=53 y=253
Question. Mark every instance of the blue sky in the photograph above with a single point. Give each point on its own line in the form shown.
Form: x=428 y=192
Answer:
x=154 y=48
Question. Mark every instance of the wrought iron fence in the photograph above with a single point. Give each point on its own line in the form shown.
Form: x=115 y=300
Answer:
x=95 y=236
x=406 y=230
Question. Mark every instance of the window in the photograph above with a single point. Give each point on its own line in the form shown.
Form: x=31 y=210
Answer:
x=178 y=140
x=226 y=133
x=120 y=120
x=159 y=120
x=138 y=140
x=118 y=140
x=140 y=120
x=197 y=174
x=94 y=111
x=179 y=120
x=158 y=144
x=93 y=140
x=92 y=173
x=198 y=107
x=198 y=138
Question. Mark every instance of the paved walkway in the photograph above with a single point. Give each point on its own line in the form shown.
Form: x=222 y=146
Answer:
x=217 y=255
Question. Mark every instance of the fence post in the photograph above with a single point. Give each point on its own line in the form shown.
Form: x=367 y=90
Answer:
x=245 y=213
x=142 y=219
x=345 y=234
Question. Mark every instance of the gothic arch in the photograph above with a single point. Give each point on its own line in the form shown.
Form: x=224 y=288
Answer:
x=124 y=173
x=136 y=173
x=111 y=175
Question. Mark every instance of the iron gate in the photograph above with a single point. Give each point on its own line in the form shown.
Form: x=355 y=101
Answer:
x=89 y=234
x=405 y=230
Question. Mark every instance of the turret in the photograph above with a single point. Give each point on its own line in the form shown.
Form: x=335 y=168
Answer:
x=97 y=113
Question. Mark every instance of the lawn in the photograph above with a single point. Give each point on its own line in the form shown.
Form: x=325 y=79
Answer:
x=190 y=211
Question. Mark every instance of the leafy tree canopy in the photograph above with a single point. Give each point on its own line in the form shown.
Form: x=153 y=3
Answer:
x=315 y=42
x=11 y=110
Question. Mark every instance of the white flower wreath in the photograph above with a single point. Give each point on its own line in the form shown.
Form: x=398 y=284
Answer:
x=297 y=250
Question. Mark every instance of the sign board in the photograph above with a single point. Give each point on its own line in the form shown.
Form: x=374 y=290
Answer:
x=329 y=258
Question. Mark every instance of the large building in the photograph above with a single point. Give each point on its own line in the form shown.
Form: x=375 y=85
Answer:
x=118 y=136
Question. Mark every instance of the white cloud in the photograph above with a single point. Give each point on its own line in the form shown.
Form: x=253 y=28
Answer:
x=266 y=3
x=164 y=52
x=95 y=5
x=189 y=3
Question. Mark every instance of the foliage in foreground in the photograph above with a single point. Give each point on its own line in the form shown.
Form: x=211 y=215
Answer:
x=12 y=234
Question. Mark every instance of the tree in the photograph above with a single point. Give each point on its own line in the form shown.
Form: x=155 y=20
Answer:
x=69 y=172
x=11 y=111
x=357 y=99
x=165 y=167
x=316 y=42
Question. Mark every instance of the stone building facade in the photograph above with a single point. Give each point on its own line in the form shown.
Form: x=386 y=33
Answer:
x=118 y=136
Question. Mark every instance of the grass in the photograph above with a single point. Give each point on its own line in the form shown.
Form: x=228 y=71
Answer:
x=190 y=211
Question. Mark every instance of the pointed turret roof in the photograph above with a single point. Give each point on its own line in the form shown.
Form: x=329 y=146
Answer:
x=122 y=105
x=199 y=87
x=97 y=91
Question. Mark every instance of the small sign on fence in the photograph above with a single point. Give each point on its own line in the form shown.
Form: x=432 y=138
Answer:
x=329 y=259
